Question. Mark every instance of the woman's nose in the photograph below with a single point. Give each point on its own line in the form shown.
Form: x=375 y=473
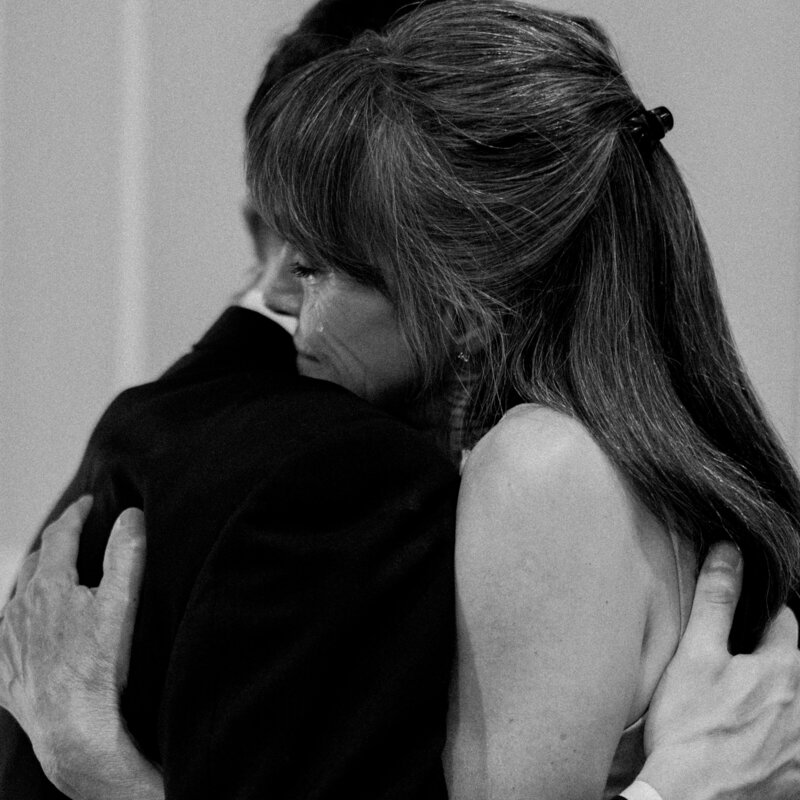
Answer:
x=280 y=288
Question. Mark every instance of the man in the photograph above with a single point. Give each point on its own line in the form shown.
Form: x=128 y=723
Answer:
x=300 y=562
x=299 y=586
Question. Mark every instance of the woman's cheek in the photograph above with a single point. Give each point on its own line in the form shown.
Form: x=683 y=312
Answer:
x=312 y=320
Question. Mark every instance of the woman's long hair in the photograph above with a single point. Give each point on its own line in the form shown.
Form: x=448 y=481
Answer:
x=476 y=164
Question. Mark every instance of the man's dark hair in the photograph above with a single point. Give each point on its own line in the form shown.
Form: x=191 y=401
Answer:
x=327 y=26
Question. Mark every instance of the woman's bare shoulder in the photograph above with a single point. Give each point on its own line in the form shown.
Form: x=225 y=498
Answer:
x=538 y=484
x=547 y=575
x=547 y=450
x=541 y=498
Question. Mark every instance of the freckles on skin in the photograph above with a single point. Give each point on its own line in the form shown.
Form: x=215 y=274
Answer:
x=349 y=334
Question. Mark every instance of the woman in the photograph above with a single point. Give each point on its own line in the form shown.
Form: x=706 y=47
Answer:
x=492 y=242
x=552 y=285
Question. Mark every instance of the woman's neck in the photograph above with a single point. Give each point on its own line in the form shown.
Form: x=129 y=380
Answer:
x=444 y=415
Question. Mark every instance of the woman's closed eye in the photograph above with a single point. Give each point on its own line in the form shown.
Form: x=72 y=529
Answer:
x=305 y=272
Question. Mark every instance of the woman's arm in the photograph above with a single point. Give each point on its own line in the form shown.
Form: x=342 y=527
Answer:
x=552 y=608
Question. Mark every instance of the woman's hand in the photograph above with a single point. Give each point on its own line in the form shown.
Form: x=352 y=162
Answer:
x=723 y=726
x=64 y=652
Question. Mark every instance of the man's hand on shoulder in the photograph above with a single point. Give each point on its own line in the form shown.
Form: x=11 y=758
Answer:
x=723 y=726
x=64 y=652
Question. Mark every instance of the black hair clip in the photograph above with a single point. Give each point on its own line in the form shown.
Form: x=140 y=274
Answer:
x=648 y=128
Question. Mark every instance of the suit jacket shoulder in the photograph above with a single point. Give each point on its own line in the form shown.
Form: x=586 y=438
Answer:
x=298 y=579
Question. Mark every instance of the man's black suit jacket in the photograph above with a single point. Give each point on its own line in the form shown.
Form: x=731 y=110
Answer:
x=296 y=625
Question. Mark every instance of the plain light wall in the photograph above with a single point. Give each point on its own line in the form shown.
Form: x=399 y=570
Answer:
x=120 y=194
x=121 y=183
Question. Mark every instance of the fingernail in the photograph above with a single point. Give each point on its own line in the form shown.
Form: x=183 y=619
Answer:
x=82 y=505
x=725 y=556
x=127 y=519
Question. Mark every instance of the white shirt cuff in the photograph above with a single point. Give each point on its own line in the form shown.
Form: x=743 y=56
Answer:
x=640 y=790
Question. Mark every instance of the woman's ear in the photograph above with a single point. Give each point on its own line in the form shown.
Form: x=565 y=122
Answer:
x=468 y=345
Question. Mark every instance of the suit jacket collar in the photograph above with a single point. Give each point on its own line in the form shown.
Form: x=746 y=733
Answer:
x=245 y=339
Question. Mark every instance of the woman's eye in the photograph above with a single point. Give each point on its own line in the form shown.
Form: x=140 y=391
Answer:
x=304 y=272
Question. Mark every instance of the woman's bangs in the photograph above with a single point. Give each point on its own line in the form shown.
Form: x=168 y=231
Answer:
x=307 y=171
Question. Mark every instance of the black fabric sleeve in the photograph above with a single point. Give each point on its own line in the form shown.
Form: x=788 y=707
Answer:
x=314 y=657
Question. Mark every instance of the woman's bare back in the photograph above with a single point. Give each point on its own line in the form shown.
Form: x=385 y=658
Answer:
x=571 y=598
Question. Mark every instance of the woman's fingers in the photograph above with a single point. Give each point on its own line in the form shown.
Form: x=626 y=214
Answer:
x=718 y=587
x=118 y=593
x=60 y=541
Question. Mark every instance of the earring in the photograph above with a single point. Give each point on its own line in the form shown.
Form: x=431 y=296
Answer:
x=463 y=355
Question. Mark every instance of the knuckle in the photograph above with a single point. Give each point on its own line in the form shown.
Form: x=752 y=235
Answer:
x=780 y=668
x=786 y=660
x=789 y=621
x=56 y=575
x=791 y=670
x=719 y=592
x=700 y=660
x=38 y=590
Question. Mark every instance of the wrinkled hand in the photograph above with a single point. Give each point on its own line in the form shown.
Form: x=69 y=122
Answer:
x=64 y=652
x=723 y=726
